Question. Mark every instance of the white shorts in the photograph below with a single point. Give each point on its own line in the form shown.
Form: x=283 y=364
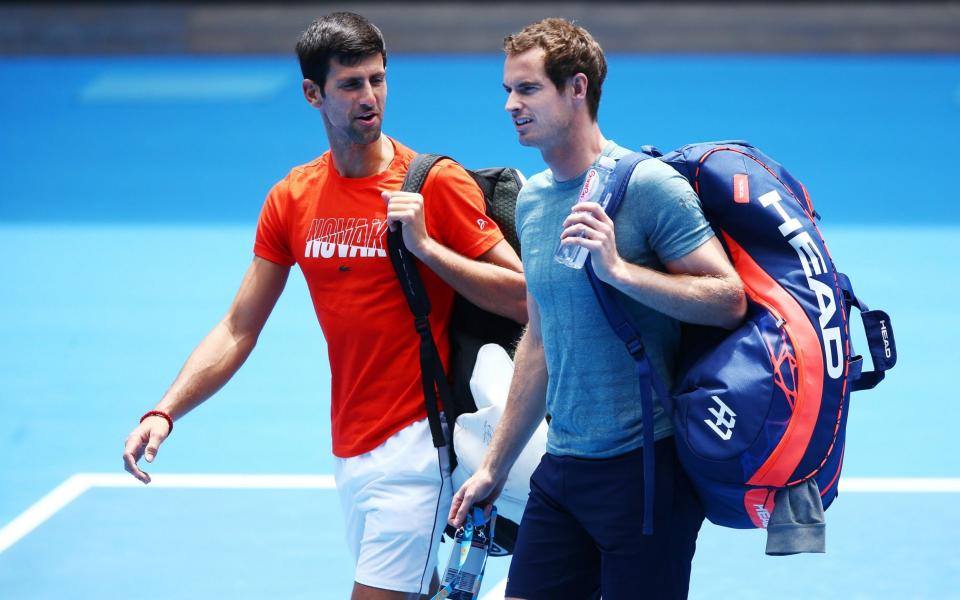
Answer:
x=395 y=501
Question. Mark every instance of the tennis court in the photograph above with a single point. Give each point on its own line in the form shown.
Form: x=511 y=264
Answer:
x=128 y=202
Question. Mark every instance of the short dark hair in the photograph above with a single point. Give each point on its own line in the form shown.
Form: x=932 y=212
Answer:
x=569 y=49
x=347 y=37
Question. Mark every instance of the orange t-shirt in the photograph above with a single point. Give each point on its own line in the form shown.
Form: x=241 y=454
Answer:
x=334 y=228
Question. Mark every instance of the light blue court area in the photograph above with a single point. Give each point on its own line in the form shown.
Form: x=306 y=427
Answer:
x=878 y=546
x=129 y=194
x=189 y=543
x=268 y=543
x=173 y=543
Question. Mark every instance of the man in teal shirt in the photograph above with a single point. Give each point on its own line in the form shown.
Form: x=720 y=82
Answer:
x=581 y=531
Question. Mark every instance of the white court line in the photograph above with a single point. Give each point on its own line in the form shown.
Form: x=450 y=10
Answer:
x=74 y=486
x=213 y=481
x=895 y=485
x=42 y=509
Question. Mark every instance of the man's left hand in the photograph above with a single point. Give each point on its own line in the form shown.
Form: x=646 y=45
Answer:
x=589 y=226
x=406 y=208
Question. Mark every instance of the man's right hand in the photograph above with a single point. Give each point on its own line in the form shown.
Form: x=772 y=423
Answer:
x=144 y=441
x=481 y=488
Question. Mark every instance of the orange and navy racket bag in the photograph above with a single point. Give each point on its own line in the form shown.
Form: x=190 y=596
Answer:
x=763 y=407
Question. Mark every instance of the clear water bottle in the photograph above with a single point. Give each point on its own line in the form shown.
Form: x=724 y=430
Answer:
x=593 y=186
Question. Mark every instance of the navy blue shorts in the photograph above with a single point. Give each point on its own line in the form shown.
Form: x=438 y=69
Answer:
x=581 y=532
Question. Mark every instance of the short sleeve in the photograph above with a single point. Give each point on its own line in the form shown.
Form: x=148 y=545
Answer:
x=672 y=216
x=523 y=208
x=273 y=242
x=456 y=211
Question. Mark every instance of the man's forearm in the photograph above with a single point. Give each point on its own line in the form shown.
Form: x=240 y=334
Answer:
x=701 y=299
x=492 y=287
x=526 y=407
x=210 y=366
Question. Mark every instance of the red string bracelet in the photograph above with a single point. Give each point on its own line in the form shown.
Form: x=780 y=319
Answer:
x=159 y=413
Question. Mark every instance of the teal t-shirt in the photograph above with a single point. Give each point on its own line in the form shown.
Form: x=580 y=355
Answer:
x=593 y=395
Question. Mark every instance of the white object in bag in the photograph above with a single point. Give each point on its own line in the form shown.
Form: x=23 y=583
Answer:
x=473 y=432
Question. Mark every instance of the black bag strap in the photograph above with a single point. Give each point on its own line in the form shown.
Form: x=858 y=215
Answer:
x=433 y=378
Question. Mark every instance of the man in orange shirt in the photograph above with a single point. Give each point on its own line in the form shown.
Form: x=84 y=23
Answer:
x=329 y=216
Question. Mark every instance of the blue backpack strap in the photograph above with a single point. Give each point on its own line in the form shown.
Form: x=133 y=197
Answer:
x=880 y=341
x=624 y=328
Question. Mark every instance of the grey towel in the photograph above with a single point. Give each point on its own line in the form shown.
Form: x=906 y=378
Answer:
x=797 y=524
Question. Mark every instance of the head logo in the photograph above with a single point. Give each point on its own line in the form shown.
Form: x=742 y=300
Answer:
x=763 y=514
x=886 y=339
x=811 y=259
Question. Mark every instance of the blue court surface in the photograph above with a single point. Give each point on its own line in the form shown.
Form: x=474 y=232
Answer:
x=129 y=194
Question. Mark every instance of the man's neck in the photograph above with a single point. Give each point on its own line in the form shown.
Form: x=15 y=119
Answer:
x=574 y=152
x=362 y=160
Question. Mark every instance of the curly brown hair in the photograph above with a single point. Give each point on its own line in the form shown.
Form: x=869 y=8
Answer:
x=570 y=49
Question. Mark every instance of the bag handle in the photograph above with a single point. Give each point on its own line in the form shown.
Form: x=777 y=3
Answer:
x=880 y=341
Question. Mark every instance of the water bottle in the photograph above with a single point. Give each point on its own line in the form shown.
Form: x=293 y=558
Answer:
x=593 y=186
